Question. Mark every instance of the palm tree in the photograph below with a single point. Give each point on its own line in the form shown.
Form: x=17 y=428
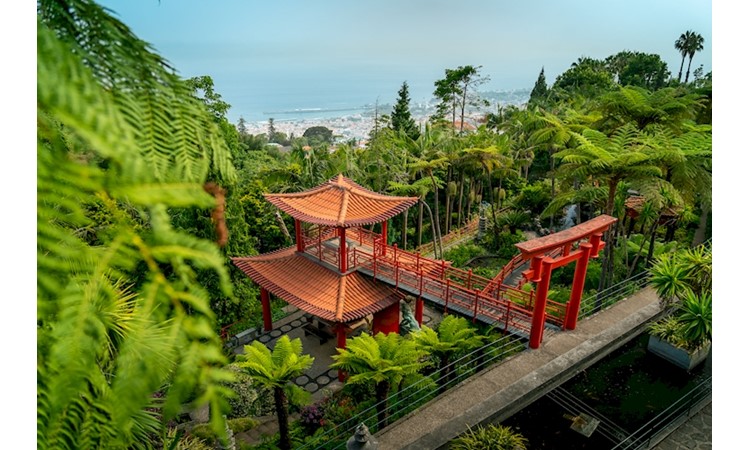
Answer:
x=493 y=160
x=454 y=336
x=383 y=360
x=275 y=371
x=426 y=155
x=681 y=44
x=694 y=44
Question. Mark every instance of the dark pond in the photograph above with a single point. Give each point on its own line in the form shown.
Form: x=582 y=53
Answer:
x=626 y=389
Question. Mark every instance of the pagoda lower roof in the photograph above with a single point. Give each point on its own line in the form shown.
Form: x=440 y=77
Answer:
x=316 y=289
x=340 y=202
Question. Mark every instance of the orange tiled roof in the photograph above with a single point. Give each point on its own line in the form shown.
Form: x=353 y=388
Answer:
x=313 y=288
x=340 y=202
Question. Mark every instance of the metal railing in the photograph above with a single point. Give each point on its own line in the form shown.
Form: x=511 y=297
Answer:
x=417 y=394
x=655 y=430
x=613 y=294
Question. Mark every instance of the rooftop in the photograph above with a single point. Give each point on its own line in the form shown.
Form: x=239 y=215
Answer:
x=340 y=202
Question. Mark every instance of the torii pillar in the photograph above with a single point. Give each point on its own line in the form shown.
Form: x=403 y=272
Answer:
x=542 y=266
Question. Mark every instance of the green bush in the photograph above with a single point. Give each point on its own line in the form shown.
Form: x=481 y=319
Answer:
x=251 y=399
x=492 y=437
x=203 y=431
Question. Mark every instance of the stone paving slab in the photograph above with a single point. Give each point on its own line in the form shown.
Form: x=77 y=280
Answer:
x=693 y=434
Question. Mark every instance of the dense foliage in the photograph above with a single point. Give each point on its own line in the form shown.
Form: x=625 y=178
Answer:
x=145 y=190
x=125 y=335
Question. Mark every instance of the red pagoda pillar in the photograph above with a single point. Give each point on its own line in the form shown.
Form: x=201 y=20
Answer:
x=387 y=320
x=265 y=301
x=342 y=249
x=384 y=235
x=419 y=310
x=341 y=343
x=298 y=235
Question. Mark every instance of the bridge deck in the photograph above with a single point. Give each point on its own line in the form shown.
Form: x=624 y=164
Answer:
x=502 y=390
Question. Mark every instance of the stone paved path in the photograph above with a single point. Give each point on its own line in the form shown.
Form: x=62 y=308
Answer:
x=693 y=434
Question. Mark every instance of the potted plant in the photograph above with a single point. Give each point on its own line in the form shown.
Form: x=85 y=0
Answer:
x=683 y=282
x=684 y=338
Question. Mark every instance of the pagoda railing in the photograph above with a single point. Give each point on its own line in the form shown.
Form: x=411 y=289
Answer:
x=461 y=288
x=451 y=293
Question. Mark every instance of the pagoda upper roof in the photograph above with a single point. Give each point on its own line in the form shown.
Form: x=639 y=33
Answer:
x=340 y=202
x=313 y=288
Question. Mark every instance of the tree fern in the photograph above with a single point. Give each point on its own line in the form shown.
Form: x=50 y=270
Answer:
x=120 y=314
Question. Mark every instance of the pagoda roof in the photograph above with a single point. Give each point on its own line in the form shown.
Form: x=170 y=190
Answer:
x=315 y=289
x=340 y=202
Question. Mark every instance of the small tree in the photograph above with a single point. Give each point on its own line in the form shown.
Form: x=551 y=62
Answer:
x=401 y=119
x=383 y=360
x=539 y=93
x=276 y=370
x=454 y=336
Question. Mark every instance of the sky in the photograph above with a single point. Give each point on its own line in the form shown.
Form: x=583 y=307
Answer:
x=294 y=53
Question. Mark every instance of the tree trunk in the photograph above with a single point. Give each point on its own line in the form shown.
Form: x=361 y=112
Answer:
x=448 y=203
x=687 y=72
x=420 y=217
x=700 y=234
x=651 y=247
x=436 y=215
x=460 y=199
x=381 y=398
x=640 y=249
x=283 y=417
x=444 y=373
x=679 y=75
x=552 y=179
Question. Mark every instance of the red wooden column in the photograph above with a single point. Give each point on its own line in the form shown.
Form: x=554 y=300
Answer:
x=265 y=302
x=384 y=234
x=419 y=310
x=574 y=305
x=342 y=249
x=298 y=235
x=387 y=320
x=341 y=343
x=540 y=304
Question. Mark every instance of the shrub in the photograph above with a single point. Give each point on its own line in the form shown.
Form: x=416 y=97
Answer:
x=251 y=398
x=493 y=437
x=203 y=431
x=311 y=417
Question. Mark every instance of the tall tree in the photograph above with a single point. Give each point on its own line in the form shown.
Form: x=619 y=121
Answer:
x=638 y=69
x=681 y=44
x=271 y=130
x=694 y=44
x=276 y=371
x=383 y=360
x=540 y=90
x=457 y=91
x=401 y=119
x=122 y=142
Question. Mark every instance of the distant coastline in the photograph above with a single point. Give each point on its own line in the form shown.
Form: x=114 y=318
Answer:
x=356 y=122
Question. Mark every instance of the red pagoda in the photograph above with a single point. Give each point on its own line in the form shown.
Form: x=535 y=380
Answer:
x=319 y=275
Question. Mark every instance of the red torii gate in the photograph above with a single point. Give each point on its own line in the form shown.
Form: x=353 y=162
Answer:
x=542 y=265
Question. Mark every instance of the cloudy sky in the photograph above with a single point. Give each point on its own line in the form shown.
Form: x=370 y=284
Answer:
x=257 y=48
